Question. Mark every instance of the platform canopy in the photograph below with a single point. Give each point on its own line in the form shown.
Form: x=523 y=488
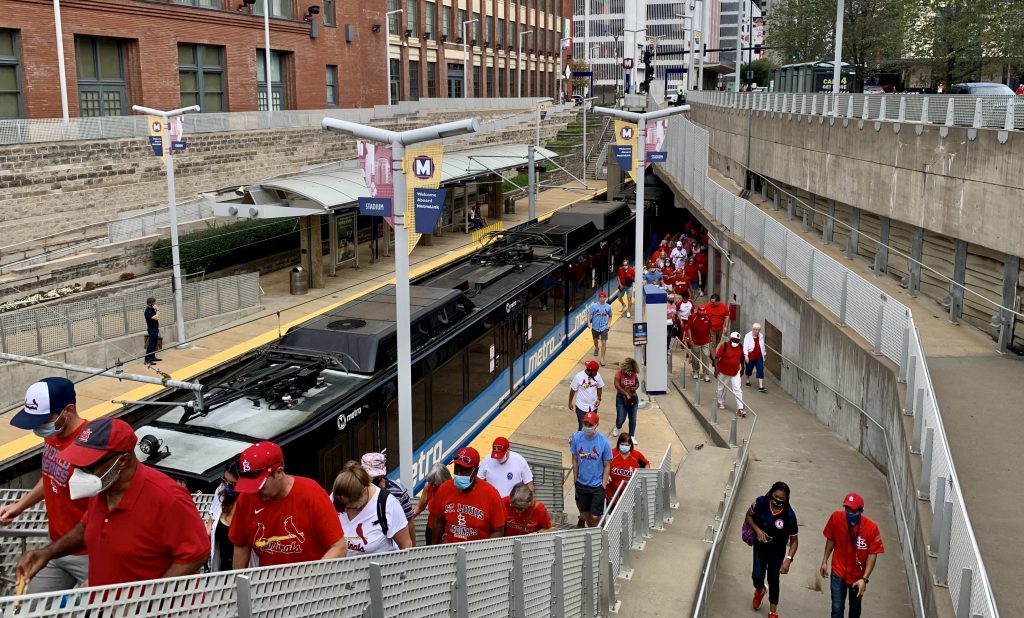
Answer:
x=339 y=185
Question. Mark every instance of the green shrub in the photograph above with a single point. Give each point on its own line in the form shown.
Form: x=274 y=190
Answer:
x=228 y=245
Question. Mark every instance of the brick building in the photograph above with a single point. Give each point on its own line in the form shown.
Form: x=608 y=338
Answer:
x=170 y=53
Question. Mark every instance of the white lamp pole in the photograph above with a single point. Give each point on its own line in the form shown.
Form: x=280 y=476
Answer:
x=837 y=62
x=387 y=48
x=519 y=60
x=60 y=60
x=398 y=142
x=465 y=59
x=172 y=209
x=266 y=60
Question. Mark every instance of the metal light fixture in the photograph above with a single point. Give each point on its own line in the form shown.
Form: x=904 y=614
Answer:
x=311 y=11
x=408 y=33
x=375 y=28
x=444 y=38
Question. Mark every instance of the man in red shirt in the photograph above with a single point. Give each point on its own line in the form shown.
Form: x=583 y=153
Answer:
x=718 y=313
x=626 y=275
x=524 y=514
x=51 y=414
x=728 y=362
x=854 y=542
x=280 y=517
x=692 y=272
x=139 y=524
x=469 y=508
x=698 y=335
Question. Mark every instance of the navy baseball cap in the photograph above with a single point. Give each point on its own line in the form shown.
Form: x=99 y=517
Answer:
x=45 y=397
x=99 y=438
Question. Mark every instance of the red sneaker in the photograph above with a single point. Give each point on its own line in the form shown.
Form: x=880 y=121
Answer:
x=759 y=596
x=773 y=614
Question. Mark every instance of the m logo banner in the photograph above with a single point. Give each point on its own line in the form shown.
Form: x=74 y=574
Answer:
x=428 y=204
x=626 y=134
x=624 y=157
x=422 y=166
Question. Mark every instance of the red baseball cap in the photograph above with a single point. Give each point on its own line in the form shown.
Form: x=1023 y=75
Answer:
x=499 y=448
x=467 y=457
x=854 y=501
x=591 y=418
x=591 y=365
x=602 y=294
x=99 y=438
x=255 y=464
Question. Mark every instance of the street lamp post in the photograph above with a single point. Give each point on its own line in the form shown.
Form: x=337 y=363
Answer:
x=387 y=47
x=172 y=209
x=838 y=57
x=689 y=45
x=398 y=142
x=519 y=60
x=465 y=58
x=60 y=60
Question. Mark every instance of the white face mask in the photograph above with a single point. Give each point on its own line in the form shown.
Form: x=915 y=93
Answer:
x=84 y=484
x=624 y=449
x=734 y=344
x=589 y=432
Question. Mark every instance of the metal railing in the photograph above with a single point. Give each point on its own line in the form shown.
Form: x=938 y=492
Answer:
x=888 y=325
x=133 y=228
x=59 y=326
x=992 y=112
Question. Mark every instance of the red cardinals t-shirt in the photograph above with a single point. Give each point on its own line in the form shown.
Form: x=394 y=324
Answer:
x=848 y=562
x=299 y=528
x=62 y=512
x=700 y=329
x=728 y=359
x=626 y=275
x=717 y=314
x=468 y=515
x=622 y=469
x=529 y=521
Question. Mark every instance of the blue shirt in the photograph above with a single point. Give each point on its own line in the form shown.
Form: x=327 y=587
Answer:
x=599 y=316
x=591 y=454
x=653 y=277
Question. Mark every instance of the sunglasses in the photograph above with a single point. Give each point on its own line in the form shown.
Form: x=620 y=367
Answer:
x=464 y=460
x=91 y=469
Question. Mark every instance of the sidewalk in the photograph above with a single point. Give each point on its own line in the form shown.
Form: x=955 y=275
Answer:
x=791 y=446
x=282 y=312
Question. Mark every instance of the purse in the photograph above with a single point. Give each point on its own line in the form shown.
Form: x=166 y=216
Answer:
x=747 y=533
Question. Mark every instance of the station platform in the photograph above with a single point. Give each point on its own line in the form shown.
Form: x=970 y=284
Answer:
x=281 y=311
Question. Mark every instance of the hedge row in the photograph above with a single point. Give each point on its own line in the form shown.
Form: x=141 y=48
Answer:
x=229 y=245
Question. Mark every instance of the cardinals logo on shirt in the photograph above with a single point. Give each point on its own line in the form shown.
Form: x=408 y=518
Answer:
x=593 y=454
x=353 y=546
x=290 y=543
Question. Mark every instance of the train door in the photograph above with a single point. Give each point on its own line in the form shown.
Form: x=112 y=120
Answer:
x=514 y=334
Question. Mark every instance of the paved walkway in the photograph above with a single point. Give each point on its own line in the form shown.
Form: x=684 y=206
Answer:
x=282 y=311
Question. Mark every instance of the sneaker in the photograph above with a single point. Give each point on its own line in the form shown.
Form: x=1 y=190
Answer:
x=603 y=363
x=634 y=440
x=157 y=360
x=615 y=432
x=721 y=406
x=150 y=363
x=748 y=382
x=707 y=379
x=773 y=614
x=629 y=315
x=596 y=351
x=741 y=412
x=762 y=389
x=696 y=377
x=758 y=597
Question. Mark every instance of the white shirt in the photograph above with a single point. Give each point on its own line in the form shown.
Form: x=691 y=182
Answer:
x=504 y=476
x=678 y=256
x=748 y=344
x=586 y=390
x=684 y=310
x=363 y=536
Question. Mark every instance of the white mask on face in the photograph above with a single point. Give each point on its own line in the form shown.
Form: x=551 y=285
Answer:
x=84 y=484
x=734 y=344
x=624 y=449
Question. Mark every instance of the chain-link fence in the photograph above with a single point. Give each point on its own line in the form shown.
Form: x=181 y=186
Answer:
x=992 y=112
x=880 y=319
x=60 y=326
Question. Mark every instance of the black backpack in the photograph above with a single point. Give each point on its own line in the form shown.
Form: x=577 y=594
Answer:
x=382 y=515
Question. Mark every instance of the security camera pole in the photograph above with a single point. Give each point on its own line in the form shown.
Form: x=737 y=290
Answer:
x=172 y=209
x=465 y=59
x=398 y=142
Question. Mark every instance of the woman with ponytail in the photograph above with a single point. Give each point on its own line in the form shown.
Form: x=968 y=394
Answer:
x=775 y=527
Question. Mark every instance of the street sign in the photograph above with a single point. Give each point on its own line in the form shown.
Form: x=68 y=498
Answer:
x=640 y=333
x=627 y=63
x=156 y=135
x=375 y=206
x=427 y=204
x=624 y=157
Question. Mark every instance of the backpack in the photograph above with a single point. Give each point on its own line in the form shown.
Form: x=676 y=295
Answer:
x=382 y=515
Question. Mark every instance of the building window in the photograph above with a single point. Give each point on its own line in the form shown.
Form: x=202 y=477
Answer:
x=446 y=21
x=414 y=80
x=277 y=85
x=330 y=19
x=475 y=36
x=10 y=75
x=102 y=90
x=332 y=85
x=412 y=17
x=278 y=8
x=455 y=81
x=488 y=31
x=476 y=82
x=432 y=79
x=462 y=21
x=490 y=82
x=393 y=21
x=396 y=80
x=201 y=76
x=501 y=32
x=428 y=20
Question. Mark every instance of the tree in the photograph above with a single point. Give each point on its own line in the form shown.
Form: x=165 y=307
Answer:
x=957 y=37
x=580 y=83
x=762 y=72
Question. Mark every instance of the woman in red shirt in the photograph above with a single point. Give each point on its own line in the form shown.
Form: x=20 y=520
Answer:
x=627 y=381
x=523 y=514
x=625 y=460
x=435 y=478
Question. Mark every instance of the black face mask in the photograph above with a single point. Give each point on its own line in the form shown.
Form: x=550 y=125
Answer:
x=778 y=503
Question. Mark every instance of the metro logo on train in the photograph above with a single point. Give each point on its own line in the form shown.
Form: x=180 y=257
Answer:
x=423 y=167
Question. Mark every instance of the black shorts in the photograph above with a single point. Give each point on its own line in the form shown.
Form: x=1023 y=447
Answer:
x=590 y=499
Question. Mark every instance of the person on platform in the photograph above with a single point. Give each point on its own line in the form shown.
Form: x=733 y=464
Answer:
x=376 y=464
x=728 y=361
x=627 y=383
x=281 y=517
x=435 y=478
x=678 y=256
x=468 y=508
x=854 y=543
x=626 y=276
x=625 y=461
x=718 y=313
x=585 y=391
x=775 y=528
x=591 y=462
x=50 y=412
x=129 y=505
x=753 y=355
x=698 y=336
x=372 y=518
x=152 y=317
x=523 y=513
x=599 y=316
x=505 y=468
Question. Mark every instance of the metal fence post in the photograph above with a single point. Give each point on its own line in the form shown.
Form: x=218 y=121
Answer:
x=557 y=582
x=243 y=596
x=936 y=533
x=220 y=304
x=915 y=436
x=714 y=408
x=589 y=608
x=911 y=378
x=942 y=562
x=963 y=604
x=376 y=606
x=673 y=500
x=99 y=321
x=609 y=604
x=625 y=543
x=905 y=356
x=785 y=255
x=518 y=604
x=879 y=326
x=843 y=297
x=764 y=226
x=124 y=314
x=461 y=601
x=810 y=276
x=732 y=431
x=924 y=488
x=39 y=332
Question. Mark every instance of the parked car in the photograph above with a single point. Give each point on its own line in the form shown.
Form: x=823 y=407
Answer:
x=672 y=95
x=981 y=88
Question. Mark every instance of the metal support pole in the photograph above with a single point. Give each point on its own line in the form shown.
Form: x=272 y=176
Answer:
x=557 y=581
x=882 y=255
x=854 y=241
x=586 y=129
x=904 y=356
x=609 y=604
x=956 y=305
x=459 y=587
x=764 y=228
x=518 y=587
x=936 y=532
x=402 y=325
x=910 y=378
x=532 y=184
x=785 y=254
x=808 y=223
x=916 y=252
x=640 y=302
x=838 y=54
x=942 y=562
x=714 y=406
x=1011 y=268
x=172 y=209
x=775 y=200
x=791 y=208
x=61 y=74
x=732 y=431
x=810 y=276
x=828 y=227
x=629 y=530
x=111 y=373
x=645 y=517
x=843 y=298
x=915 y=436
x=963 y=604
x=267 y=73
x=924 y=488
x=243 y=596
x=376 y=591
x=879 y=327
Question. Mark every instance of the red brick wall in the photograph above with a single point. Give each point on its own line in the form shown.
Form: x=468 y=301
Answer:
x=155 y=27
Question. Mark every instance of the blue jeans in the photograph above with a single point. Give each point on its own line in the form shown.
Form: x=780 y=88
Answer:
x=840 y=591
x=755 y=364
x=622 y=409
x=768 y=560
x=151 y=348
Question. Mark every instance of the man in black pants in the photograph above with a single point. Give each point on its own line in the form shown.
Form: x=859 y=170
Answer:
x=152 y=315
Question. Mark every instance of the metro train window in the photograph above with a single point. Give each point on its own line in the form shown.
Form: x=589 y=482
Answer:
x=447 y=393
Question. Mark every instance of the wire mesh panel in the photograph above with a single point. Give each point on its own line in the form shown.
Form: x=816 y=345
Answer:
x=619 y=523
x=774 y=238
x=337 y=588
x=862 y=300
x=828 y=282
x=573 y=549
x=538 y=557
x=426 y=586
x=489 y=575
x=798 y=260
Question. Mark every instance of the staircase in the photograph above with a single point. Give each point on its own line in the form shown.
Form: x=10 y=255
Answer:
x=597 y=166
